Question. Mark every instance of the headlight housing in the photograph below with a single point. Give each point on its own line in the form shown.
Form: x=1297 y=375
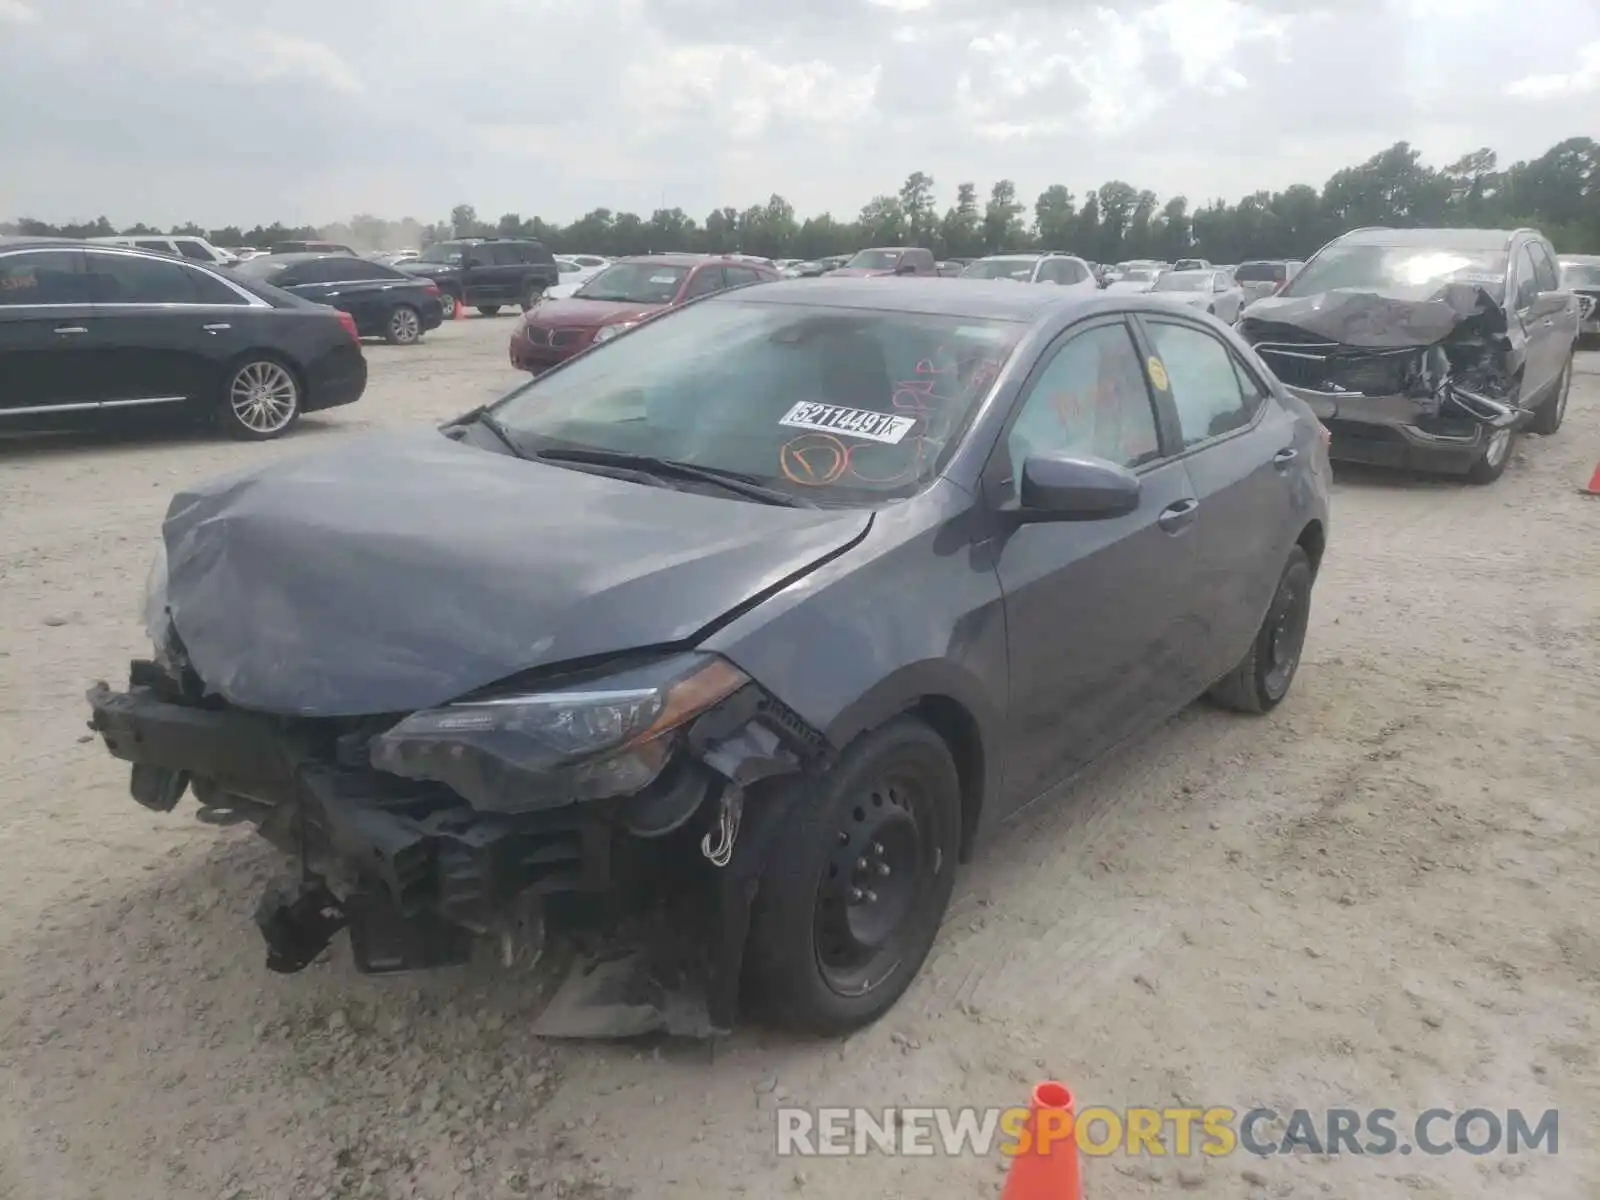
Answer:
x=606 y=332
x=586 y=740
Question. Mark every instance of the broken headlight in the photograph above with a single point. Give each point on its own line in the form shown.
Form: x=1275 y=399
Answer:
x=589 y=740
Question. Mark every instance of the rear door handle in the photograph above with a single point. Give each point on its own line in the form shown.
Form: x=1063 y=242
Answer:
x=216 y=328
x=72 y=329
x=1179 y=516
x=1284 y=457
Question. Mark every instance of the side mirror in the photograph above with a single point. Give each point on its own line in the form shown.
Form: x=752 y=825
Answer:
x=1057 y=486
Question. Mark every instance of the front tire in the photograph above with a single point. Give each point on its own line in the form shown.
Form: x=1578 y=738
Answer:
x=404 y=326
x=488 y=310
x=531 y=296
x=1263 y=677
x=449 y=302
x=1494 y=460
x=1547 y=419
x=847 y=911
x=261 y=399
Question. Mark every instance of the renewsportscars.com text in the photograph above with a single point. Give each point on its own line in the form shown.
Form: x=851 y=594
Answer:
x=1160 y=1132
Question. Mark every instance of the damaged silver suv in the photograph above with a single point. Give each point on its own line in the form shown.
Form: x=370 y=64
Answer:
x=1429 y=349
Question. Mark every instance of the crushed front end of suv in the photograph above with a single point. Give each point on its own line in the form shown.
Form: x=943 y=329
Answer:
x=1424 y=348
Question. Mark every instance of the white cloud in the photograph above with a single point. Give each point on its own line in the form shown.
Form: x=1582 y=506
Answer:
x=553 y=108
x=1585 y=77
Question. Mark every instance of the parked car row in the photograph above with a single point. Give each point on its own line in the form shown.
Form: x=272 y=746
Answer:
x=91 y=330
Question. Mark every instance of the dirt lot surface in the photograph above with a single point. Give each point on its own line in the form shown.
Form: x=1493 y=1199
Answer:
x=1384 y=895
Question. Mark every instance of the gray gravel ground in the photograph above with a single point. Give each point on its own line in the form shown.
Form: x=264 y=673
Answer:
x=1384 y=895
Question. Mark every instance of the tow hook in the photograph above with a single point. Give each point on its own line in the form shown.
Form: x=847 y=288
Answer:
x=298 y=919
x=718 y=845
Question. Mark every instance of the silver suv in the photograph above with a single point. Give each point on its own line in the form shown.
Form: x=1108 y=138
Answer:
x=1425 y=348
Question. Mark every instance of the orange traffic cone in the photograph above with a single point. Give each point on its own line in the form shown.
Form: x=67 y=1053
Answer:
x=1045 y=1166
x=461 y=310
x=1593 y=489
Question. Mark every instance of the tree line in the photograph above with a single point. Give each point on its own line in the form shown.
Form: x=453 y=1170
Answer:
x=1558 y=193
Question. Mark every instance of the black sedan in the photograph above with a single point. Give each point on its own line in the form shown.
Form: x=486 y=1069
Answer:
x=90 y=330
x=385 y=303
x=773 y=605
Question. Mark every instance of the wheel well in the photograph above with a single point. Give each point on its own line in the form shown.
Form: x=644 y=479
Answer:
x=953 y=723
x=1313 y=540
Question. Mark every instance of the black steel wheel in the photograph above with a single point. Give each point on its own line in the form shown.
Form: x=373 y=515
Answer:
x=1263 y=677
x=846 y=913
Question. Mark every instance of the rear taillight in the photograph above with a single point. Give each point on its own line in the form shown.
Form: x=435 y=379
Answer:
x=431 y=288
x=349 y=324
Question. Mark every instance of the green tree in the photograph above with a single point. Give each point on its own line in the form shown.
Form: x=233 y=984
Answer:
x=1002 y=224
x=1055 y=218
x=961 y=229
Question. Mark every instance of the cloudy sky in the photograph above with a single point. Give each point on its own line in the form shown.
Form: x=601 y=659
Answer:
x=227 y=111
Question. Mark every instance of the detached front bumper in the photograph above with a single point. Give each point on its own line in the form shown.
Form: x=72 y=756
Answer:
x=1408 y=432
x=417 y=874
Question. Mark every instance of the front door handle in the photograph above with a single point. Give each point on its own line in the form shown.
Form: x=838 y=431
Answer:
x=72 y=329
x=1177 y=517
x=1284 y=457
x=218 y=328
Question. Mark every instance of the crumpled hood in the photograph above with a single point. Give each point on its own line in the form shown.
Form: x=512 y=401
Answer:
x=575 y=310
x=1388 y=319
x=402 y=571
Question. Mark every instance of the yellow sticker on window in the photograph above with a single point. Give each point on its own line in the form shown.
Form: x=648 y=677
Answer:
x=1158 y=373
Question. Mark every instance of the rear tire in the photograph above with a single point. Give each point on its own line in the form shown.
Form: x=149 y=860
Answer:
x=1547 y=419
x=833 y=944
x=261 y=398
x=403 y=327
x=488 y=310
x=1263 y=677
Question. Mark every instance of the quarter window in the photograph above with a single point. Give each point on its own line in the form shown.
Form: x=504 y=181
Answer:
x=190 y=248
x=1212 y=393
x=1090 y=399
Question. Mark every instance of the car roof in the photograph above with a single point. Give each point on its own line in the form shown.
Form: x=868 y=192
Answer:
x=979 y=299
x=1465 y=239
x=1190 y=271
x=300 y=256
x=679 y=260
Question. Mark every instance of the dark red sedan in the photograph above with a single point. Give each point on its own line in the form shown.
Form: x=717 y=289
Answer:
x=617 y=299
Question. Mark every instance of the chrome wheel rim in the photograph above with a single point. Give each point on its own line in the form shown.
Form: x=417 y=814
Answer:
x=264 y=397
x=1499 y=443
x=404 y=325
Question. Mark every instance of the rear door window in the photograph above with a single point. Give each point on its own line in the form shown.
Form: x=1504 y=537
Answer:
x=1545 y=272
x=190 y=248
x=706 y=280
x=134 y=279
x=159 y=245
x=43 y=277
x=1211 y=396
x=739 y=276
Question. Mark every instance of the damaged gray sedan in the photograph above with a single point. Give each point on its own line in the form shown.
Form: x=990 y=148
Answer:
x=715 y=649
x=1425 y=348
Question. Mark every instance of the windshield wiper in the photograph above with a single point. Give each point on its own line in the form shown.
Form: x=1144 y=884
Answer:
x=733 y=481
